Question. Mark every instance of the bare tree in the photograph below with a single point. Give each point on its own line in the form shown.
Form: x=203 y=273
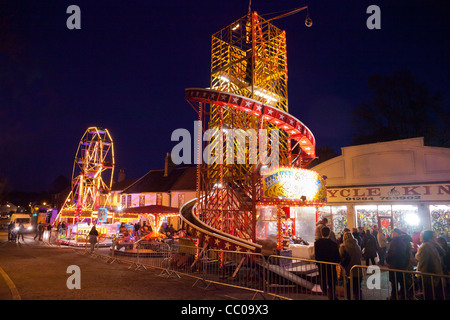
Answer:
x=401 y=107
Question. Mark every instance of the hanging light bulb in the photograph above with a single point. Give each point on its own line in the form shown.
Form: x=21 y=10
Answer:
x=308 y=21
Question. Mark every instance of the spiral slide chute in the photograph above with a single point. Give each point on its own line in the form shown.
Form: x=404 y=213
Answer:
x=211 y=236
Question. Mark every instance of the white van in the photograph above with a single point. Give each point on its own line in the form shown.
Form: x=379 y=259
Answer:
x=25 y=219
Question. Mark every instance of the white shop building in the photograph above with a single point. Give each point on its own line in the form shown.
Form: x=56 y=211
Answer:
x=395 y=184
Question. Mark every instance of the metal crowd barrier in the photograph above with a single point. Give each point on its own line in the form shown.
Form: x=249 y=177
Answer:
x=377 y=283
x=295 y=278
x=244 y=270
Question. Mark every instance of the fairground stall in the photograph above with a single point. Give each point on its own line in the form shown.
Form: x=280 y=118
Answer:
x=156 y=216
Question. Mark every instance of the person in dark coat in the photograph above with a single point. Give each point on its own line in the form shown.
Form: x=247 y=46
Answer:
x=399 y=256
x=429 y=260
x=11 y=227
x=350 y=254
x=369 y=247
x=357 y=237
x=20 y=229
x=327 y=250
x=39 y=231
x=93 y=238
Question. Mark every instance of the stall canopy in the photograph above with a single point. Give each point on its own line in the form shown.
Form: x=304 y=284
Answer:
x=152 y=209
x=158 y=212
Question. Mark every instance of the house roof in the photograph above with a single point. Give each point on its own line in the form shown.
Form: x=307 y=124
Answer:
x=155 y=181
x=187 y=181
x=121 y=185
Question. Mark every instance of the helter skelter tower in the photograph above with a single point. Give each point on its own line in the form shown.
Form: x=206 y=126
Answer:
x=92 y=175
x=248 y=93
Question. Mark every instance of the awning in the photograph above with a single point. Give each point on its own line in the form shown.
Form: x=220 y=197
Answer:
x=158 y=212
x=152 y=209
x=71 y=214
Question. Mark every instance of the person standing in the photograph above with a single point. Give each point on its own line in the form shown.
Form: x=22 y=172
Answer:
x=39 y=231
x=361 y=232
x=137 y=226
x=11 y=227
x=399 y=256
x=356 y=236
x=369 y=247
x=20 y=232
x=446 y=256
x=350 y=253
x=326 y=250
x=319 y=226
x=429 y=261
x=93 y=235
x=382 y=247
x=375 y=235
x=445 y=264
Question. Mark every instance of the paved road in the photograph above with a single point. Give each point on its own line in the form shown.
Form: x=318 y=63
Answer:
x=39 y=272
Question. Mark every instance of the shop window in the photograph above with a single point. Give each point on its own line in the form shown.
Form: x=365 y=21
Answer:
x=339 y=218
x=124 y=199
x=129 y=201
x=440 y=219
x=159 y=199
x=336 y=215
x=141 y=200
x=367 y=216
x=405 y=217
x=180 y=200
x=388 y=217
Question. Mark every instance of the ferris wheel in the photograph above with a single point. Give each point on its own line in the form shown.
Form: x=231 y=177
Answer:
x=92 y=173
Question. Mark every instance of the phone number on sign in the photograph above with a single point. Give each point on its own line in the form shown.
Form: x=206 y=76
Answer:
x=382 y=198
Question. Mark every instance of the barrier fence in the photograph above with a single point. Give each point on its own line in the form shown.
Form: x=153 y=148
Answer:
x=377 y=283
x=276 y=276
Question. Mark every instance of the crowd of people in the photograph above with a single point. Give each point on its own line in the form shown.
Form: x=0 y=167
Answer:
x=399 y=252
x=15 y=233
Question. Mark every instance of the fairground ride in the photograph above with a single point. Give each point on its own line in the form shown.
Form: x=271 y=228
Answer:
x=92 y=175
x=248 y=95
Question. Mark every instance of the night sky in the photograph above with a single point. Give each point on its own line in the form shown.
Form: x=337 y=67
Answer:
x=128 y=66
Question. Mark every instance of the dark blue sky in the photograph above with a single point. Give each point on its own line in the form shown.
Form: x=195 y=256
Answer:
x=128 y=66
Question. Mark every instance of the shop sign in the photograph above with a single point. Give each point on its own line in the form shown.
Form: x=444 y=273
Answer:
x=406 y=193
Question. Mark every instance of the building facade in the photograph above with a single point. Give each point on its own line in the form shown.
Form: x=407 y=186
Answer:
x=169 y=187
x=395 y=184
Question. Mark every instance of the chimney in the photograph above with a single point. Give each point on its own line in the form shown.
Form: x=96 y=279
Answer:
x=168 y=165
x=121 y=175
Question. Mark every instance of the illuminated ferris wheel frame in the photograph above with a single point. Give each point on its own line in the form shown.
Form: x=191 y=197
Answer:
x=92 y=173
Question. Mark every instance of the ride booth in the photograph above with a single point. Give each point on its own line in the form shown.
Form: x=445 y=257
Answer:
x=155 y=216
x=286 y=213
x=80 y=222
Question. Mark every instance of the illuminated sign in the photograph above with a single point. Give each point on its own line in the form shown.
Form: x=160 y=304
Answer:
x=102 y=214
x=83 y=229
x=293 y=184
x=407 y=193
